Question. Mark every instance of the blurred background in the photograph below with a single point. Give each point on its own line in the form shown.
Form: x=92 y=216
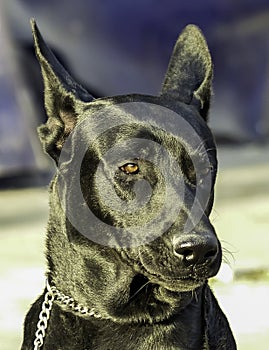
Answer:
x=119 y=47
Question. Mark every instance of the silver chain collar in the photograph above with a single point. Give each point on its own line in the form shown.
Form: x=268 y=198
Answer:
x=53 y=294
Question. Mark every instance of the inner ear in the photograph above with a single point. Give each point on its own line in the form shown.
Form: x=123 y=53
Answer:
x=68 y=114
x=68 y=117
x=63 y=98
x=58 y=127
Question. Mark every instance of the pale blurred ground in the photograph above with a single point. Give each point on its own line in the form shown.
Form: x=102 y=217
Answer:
x=241 y=218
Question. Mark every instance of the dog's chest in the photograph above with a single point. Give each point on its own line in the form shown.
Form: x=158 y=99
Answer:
x=84 y=335
x=142 y=339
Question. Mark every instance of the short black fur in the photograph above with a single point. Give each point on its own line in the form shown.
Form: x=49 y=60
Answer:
x=150 y=296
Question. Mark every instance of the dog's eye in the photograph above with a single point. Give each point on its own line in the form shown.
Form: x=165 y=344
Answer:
x=130 y=168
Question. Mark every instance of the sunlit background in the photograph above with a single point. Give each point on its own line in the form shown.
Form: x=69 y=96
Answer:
x=119 y=47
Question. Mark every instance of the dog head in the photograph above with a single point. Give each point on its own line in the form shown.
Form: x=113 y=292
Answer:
x=129 y=228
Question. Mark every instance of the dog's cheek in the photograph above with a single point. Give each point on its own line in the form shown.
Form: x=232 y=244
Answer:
x=108 y=277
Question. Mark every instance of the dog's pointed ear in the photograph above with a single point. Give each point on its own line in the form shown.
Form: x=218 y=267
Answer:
x=63 y=98
x=190 y=71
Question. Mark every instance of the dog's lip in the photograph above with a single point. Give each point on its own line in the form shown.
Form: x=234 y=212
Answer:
x=188 y=281
x=183 y=283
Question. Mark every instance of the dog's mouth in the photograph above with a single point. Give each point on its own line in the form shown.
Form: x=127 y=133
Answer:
x=142 y=285
x=182 y=284
x=179 y=284
x=184 y=281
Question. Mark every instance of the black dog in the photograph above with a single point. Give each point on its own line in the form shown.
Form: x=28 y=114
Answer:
x=114 y=281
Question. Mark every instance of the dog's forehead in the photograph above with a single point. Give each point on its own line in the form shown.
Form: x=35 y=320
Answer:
x=172 y=116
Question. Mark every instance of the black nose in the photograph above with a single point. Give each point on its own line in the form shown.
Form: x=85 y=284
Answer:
x=196 y=249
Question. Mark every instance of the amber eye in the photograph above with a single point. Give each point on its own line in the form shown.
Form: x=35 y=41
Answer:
x=130 y=168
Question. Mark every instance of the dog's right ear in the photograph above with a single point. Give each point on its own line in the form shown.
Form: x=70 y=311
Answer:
x=63 y=98
x=190 y=71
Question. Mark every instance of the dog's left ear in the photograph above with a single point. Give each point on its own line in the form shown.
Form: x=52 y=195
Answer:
x=63 y=98
x=190 y=71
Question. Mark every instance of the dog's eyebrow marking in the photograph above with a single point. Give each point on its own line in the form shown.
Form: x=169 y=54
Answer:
x=130 y=168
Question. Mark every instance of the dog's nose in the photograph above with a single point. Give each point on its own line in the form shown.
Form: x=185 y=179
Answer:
x=196 y=249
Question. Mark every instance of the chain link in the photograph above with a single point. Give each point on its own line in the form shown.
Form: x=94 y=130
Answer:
x=53 y=294
x=43 y=318
x=73 y=305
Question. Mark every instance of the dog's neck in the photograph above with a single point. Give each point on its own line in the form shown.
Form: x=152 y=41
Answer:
x=69 y=304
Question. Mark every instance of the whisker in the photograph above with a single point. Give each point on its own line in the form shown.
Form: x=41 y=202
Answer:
x=139 y=290
x=201 y=146
x=228 y=254
x=206 y=151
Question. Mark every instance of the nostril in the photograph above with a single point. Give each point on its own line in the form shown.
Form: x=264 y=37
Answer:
x=189 y=255
x=184 y=252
